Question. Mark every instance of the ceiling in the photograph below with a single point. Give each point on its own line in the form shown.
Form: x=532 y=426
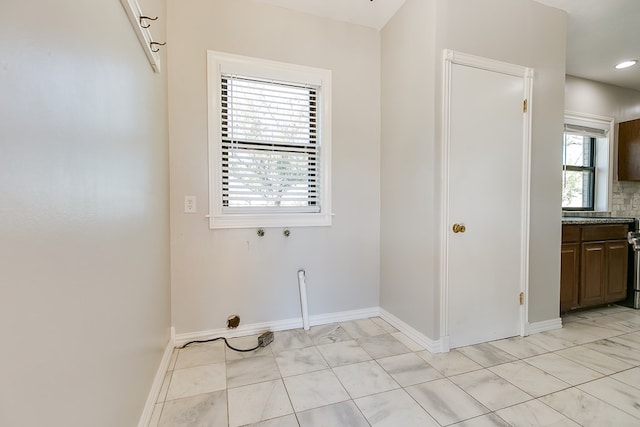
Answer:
x=600 y=33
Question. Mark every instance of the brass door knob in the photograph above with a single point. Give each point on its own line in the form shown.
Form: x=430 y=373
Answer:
x=459 y=228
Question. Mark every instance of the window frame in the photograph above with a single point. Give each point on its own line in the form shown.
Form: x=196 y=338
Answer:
x=604 y=157
x=219 y=63
x=591 y=168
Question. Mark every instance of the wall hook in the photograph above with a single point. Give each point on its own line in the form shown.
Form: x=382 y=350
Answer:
x=148 y=18
x=152 y=44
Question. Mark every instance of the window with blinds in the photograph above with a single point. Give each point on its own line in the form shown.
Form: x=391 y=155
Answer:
x=269 y=143
x=270 y=153
x=586 y=163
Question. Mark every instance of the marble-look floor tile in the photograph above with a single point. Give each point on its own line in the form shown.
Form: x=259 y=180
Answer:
x=446 y=402
x=550 y=342
x=615 y=393
x=313 y=390
x=290 y=340
x=611 y=322
x=588 y=411
x=595 y=360
x=257 y=402
x=528 y=378
x=339 y=414
x=580 y=333
x=630 y=377
x=568 y=371
x=200 y=354
x=487 y=420
x=411 y=344
x=251 y=370
x=384 y=325
x=328 y=334
x=246 y=343
x=382 y=346
x=362 y=379
x=409 y=369
x=300 y=361
x=197 y=380
x=286 y=421
x=343 y=353
x=489 y=389
x=630 y=340
x=617 y=350
x=203 y=410
x=393 y=409
x=518 y=347
x=534 y=414
x=451 y=363
x=486 y=354
x=362 y=328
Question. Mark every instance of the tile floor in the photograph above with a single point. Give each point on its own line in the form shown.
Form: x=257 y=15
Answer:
x=366 y=373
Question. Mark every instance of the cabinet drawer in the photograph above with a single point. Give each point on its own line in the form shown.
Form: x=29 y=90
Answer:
x=605 y=232
x=570 y=233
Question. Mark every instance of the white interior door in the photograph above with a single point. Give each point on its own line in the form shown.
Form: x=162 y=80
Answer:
x=487 y=171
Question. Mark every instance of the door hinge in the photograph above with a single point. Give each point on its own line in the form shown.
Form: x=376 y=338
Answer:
x=521 y=298
x=524 y=106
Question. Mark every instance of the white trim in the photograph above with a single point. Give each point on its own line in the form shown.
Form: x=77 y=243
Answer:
x=278 y=325
x=344 y=316
x=423 y=340
x=452 y=57
x=132 y=8
x=545 y=325
x=152 y=397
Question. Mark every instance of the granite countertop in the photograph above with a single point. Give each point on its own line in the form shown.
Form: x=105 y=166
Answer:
x=579 y=220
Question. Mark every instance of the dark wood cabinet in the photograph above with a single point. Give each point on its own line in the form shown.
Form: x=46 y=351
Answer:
x=593 y=265
x=593 y=273
x=617 y=255
x=629 y=150
x=569 y=275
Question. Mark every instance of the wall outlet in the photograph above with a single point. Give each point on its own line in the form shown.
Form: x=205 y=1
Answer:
x=190 y=204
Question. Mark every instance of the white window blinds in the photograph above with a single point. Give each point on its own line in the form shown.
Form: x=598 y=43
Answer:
x=270 y=146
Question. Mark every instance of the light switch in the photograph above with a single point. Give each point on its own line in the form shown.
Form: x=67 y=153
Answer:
x=190 y=204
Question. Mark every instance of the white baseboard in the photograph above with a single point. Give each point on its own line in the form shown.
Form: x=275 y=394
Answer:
x=423 y=340
x=277 y=325
x=152 y=398
x=545 y=325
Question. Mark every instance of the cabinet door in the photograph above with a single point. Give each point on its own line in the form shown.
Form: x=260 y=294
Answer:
x=569 y=274
x=593 y=274
x=617 y=252
x=629 y=151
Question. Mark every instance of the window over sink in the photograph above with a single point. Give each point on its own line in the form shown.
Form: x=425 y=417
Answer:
x=587 y=156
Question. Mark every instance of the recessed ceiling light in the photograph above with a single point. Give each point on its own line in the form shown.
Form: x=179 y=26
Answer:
x=626 y=64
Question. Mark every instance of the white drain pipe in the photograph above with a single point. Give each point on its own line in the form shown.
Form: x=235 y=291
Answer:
x=303 y=299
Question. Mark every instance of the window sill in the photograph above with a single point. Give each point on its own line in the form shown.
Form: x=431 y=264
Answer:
x=269 y=220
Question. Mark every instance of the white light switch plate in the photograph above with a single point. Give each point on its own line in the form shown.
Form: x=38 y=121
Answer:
x=190 y=204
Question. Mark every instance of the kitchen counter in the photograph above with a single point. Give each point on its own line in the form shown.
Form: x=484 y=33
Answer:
x=580 y=220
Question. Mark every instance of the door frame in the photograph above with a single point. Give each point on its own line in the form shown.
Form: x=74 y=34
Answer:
x=450 y=58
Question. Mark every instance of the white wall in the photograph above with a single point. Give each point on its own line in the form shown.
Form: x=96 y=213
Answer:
x=504 y=30
x=408 y=161
x=84 y=251
x=588 y=96
x=220 y=272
